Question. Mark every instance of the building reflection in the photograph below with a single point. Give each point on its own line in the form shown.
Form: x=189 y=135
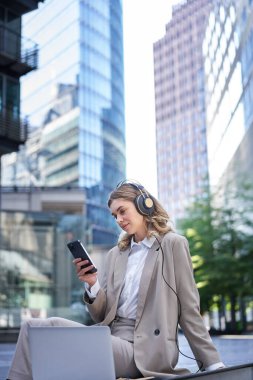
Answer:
x=37 y=277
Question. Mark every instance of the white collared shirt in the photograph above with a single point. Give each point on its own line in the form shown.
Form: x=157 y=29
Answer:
x=129 y=295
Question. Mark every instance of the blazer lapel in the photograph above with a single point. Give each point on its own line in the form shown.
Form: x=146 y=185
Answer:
x=119 y=276
x=146 y=278
x=120 y=270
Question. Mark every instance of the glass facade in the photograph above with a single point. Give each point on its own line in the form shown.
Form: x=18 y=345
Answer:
x=245 y=32
x=10 y=34
x=228 y=56
x=180 y=107
x=18 y=56
x=36 y=274
x=77 y=98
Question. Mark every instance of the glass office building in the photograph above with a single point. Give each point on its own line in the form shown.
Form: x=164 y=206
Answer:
x=180 y=107
x=228 y=52
x=77 y=98
x=36 y=275
x=18 y=56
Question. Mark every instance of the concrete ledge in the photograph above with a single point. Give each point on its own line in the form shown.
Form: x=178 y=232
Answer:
x=239 y=372
x=242 y=372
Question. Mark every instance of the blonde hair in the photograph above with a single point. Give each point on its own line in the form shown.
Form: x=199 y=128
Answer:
x=157 y=223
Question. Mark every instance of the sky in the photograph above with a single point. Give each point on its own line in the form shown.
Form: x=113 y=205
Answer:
x=144 y=23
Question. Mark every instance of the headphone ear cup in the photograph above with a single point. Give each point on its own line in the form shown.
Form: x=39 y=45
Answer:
x=144 y=205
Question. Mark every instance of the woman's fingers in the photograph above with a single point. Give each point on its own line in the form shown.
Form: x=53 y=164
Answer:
x=82 y=271
x=79 y=263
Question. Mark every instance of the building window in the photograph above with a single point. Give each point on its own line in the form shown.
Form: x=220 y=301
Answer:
x=12 y=98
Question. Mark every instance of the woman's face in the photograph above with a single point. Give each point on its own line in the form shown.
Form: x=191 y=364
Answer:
x=128 y=218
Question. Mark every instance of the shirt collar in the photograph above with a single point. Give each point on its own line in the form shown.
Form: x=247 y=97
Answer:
x=147 y=242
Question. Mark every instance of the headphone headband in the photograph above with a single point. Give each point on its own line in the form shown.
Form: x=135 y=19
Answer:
x=135 y=184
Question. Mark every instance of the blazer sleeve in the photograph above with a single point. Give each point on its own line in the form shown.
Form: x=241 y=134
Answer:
x=97 y=307
x=190 y=318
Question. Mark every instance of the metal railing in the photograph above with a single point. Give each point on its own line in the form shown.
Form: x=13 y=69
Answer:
x=12 y=127
x=18 y=48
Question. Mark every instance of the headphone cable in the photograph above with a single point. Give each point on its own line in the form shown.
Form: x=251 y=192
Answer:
x=199 y=362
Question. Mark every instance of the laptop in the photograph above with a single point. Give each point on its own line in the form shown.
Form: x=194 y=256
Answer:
x=78 y=353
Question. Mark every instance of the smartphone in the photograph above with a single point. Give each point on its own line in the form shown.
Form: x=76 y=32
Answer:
x=78 y=251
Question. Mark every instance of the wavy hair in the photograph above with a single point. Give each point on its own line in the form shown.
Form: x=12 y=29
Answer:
x=157 y=223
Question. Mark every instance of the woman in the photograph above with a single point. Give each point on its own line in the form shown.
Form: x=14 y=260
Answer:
x=147 y=289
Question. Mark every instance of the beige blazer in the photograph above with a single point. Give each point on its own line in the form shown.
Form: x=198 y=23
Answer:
x=155 y=348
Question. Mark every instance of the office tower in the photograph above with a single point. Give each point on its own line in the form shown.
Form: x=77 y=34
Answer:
x=180 y=107
x=76 y=99
x=18 y=56
x=228 y=52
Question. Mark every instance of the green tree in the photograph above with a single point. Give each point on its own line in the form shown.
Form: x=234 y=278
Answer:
x=219 y=230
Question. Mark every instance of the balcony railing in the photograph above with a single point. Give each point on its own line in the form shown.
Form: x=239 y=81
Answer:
x=13 y=131
x=17 y=54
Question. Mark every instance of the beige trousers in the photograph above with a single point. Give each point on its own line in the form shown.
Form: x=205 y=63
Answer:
x=122 y=349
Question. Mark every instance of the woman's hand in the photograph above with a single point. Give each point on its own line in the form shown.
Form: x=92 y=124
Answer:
x=89 y=278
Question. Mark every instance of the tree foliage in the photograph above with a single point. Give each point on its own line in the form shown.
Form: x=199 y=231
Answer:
x=220 y=234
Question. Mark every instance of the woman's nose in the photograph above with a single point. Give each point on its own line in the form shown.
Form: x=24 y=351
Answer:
x=119 y=218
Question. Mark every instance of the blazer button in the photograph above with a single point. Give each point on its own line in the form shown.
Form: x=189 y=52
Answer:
x=157 y=332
